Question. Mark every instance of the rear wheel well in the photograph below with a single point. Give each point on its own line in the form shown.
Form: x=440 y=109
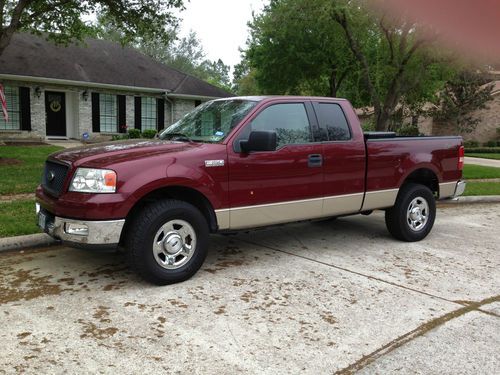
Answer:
x=424 y=177
x=179 y=193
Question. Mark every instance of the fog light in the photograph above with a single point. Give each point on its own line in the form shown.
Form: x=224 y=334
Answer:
x=37 y=208
x=76 y=229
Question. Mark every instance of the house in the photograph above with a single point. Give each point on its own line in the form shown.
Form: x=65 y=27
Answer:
x=94 y=90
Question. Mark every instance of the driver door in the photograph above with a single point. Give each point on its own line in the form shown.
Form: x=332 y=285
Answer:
x=271 y=187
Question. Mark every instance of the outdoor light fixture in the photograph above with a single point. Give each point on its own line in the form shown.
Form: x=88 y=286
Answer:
x=38 y=91
x=85 y=95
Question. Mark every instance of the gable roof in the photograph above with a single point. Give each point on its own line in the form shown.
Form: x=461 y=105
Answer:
x=99 y=62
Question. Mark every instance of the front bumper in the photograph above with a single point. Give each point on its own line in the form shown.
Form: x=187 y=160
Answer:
x=80 y=232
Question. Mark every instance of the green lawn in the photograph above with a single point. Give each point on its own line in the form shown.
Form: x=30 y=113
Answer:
x=18 y=218
x=477 y=171
x=482 y=188
x=24 y=176
x=484 y=156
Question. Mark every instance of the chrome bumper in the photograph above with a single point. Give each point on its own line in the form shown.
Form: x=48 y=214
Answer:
x=460 y=188
x=82 y=232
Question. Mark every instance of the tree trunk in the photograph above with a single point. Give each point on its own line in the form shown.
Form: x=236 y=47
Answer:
x=333 y=83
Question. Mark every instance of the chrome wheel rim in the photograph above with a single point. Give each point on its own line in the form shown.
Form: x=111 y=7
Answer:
x=174 y=244
x=417 y=214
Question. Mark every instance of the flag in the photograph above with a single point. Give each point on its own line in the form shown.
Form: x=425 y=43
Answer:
x=4 y=104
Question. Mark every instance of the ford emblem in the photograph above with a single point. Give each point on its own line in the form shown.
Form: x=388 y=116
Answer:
x=50 y=176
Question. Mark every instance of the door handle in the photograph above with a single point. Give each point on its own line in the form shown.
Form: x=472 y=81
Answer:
x=315 y=160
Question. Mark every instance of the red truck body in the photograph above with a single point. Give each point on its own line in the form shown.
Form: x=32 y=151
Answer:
x=250 y=189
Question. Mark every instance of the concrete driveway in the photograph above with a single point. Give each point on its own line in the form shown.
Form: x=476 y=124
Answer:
x=313 y=298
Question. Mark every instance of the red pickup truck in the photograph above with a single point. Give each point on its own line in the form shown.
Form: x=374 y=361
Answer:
x=241 y=163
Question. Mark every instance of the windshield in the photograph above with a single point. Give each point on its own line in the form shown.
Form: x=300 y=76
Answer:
x=209 y=122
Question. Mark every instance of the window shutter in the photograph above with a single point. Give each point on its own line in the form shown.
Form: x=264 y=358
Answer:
x=137 y=113
x=25 y=107
x=96 y=123
x=122 y=121
x=160 y=116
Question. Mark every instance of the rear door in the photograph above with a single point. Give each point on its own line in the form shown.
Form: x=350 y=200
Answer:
x=277 y=186
x=343 y=159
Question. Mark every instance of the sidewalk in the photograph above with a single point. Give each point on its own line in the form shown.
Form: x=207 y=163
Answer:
x=483 y=162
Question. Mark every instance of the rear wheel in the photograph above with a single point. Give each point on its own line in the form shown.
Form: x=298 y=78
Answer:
x=167 y=242
x=412 y=217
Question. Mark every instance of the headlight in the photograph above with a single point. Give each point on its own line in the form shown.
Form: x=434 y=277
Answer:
x=90 y=180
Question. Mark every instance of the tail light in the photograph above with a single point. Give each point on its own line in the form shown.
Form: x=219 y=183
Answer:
x=461 y=156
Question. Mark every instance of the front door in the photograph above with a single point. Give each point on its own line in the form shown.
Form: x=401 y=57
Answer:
x=55 y=109
x=284 y=185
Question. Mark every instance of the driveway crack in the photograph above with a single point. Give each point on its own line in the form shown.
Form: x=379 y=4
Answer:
x=417 y=332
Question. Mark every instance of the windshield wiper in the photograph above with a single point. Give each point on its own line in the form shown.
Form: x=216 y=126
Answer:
x=178 y=137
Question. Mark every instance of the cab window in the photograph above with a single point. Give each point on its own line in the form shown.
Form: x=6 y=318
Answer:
x=288 y=120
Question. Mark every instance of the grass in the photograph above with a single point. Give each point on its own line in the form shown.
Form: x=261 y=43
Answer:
x=484 y=156
x=25 y=176
x=482 y=188
x=18 y=218
x=471 y=172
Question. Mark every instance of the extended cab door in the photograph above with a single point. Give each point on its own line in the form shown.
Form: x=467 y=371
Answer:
x=343 y=157
x=278 y=186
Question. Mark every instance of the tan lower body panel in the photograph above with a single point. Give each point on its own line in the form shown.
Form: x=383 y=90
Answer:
x=379 y=199
x=284 y=212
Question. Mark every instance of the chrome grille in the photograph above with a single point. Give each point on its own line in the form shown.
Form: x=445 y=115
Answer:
x=53 y=177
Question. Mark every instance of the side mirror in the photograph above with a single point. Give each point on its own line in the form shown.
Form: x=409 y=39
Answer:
x=259 y=140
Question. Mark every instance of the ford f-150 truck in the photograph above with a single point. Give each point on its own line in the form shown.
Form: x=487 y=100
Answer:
x=240 y=163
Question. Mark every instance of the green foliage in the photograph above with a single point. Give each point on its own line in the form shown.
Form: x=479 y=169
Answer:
x=18 y=218
x=469 y=144
x=24 y=176
x=472 y=171
x=150 y=133
x=63 y=21
x=342 y=48
x=408 y=131
x=463 y=95
x=495 y=156
x=482 y=188
x=490 y=144
x=134 y=133
x=483 y=150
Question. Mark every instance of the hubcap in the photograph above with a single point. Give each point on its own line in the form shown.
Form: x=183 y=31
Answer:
x=417 y=214
x=174 y=244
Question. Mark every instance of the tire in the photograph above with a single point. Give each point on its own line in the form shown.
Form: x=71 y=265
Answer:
x=167 y=242
x=412 y=217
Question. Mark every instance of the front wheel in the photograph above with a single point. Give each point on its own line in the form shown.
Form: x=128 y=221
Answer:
x=412 y=217
x=167 y=242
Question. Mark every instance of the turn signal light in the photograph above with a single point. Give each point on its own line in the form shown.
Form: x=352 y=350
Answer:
x=461 y=156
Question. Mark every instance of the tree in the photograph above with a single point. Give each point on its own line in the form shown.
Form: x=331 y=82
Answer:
x=342 y=48
x=294 y=48
x=464 y=94
x=62 y=20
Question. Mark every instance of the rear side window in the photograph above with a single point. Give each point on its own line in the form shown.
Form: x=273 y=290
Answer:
x=289 y=121
x=332 y=118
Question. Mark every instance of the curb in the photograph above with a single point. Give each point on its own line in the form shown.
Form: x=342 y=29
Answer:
x=43 y=239
x=27 y=241
x=471 y=199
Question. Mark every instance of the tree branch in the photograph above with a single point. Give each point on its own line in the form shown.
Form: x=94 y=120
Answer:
x=341 y=18
x=388 y=36
x=15 y=22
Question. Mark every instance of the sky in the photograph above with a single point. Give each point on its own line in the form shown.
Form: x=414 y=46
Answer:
x=221 y=25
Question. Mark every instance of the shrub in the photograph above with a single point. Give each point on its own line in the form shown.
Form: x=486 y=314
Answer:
x=119 y=137
x=150 y=133
x=408 y=130
x=490 y=144
x=134 y=133
x=483 y=150
x=468 y=144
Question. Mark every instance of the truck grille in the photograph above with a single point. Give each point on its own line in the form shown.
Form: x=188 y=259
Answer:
x=53 y=177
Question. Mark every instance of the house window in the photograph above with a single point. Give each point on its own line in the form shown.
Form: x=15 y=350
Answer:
x=148 y=113
x=108 y=113
x=13 y=109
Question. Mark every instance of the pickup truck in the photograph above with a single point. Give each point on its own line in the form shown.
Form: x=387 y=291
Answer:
x=241 y=163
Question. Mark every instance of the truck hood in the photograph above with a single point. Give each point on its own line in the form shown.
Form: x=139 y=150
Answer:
x=104 y=154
